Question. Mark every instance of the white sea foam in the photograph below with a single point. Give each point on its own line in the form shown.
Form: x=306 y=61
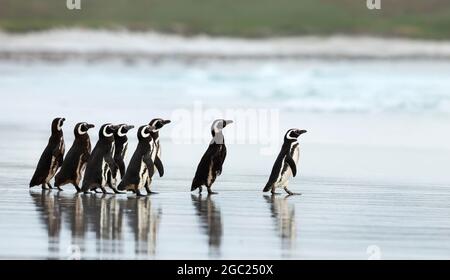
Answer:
x=102 y=42
x=298 y=86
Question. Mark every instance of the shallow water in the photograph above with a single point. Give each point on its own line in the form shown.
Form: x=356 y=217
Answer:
x=334 y=218
x=373 y=172
x=331 y=219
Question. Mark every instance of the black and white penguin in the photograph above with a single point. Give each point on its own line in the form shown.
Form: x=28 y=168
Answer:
x=141 y=166
x=51 y=158
x=210 y=165
x=157 y=124
x=101 y=162
x=121 y=146
x=286 y=163
x=75 y=161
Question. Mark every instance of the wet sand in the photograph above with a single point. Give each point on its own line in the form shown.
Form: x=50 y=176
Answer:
x=330 y=220
x=334 y=218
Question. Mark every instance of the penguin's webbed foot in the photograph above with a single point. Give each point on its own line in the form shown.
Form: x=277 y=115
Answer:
x=291 y=193
x=149 y=192
x=77 y=188
x=210 y=192
x=49 y=186
x=116 y=191
x=59 y=188
x=139 y=194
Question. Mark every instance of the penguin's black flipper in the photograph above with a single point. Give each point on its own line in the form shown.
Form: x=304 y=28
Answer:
x=112 y=165
x=159 y=166
x=290 y=161
x=121 y=166
x=59 y=156
x=150 y=165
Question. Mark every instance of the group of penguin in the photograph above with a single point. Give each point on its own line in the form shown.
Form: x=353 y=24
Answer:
x=105 y=164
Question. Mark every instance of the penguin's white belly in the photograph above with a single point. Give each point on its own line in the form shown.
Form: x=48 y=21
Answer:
x=80 y=169
x=124 y=151
x=210 y=175
x=143 y=175
x=105 y=171
x=52 y=170
x=54 y=163
x=154 y=153
x=284 y=177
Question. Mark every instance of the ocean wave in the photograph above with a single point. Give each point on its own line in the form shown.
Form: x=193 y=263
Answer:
x=302 y=86
x=103 y=44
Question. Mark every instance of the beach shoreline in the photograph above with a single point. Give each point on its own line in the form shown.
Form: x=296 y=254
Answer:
x=86 y=44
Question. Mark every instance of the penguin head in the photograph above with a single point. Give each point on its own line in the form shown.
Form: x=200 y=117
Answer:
x=82 y=128
x=158 y=123
x=123 y=130
x=293 y=134
x=57 y=124
x=144 y=132
x=107 y=131
x=218 y=125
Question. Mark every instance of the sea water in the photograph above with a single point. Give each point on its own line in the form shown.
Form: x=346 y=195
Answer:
x=373 y=168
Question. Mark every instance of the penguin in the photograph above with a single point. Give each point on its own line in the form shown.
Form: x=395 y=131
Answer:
x=101 y=163
x=285 y=165
x=141 y=166
x=121 y=146
x=75 y=161
x=156 y=150
x=210 y=165
x=51 y=158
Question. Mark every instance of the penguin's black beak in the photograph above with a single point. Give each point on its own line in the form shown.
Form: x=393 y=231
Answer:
x=300 y=132
x=89 y=126
x=166 y=122
x=129 y=127
x=227 y=122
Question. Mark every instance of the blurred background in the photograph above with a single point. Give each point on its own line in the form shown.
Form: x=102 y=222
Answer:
x=246 y=18
x=371 y=87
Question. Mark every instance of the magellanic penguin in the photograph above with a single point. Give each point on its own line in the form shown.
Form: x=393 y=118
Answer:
x=157 y=124
x=121 y=146
x=101 y=163
x=75 y=161
x=286 y=163
x=210 y=165
x=51 y=158
x=141 y=166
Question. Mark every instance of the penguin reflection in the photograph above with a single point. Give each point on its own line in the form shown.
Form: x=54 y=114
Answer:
x=49 y=211
x=105 y=215
x=81 y=213
x=144 y=220
x=210 y=219
x=283 y=214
